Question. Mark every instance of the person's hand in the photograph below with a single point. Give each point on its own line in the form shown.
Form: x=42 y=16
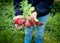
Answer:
x=16 y=25
x=34 y=15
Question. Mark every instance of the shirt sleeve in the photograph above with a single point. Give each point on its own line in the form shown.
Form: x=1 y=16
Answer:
x=17 y=7
x=44 y=7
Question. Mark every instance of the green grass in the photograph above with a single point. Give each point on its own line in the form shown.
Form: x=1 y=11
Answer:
x=8 y=33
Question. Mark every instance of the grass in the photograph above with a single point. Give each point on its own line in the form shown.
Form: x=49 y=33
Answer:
x=10 y=36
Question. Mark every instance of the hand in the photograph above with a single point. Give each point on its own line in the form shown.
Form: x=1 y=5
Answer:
x=16 y=25
x=19 y=16
x=34 y=15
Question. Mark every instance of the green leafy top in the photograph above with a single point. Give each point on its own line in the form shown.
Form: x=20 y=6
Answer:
x=26 y=8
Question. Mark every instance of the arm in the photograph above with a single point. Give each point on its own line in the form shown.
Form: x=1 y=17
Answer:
x=44 y=7
x=17 y=7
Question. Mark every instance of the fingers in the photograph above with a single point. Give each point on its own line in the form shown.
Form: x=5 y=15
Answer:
x=19 y=16
x=29 y=18
x=18 y=26
x=21 y=27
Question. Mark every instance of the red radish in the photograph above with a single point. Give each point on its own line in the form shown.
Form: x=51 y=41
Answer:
x=18 y=21
x=24 y=21
x=32 y=22
x=27 y=24
x=39 y=23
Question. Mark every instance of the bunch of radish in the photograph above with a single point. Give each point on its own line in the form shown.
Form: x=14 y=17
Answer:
x=28 y=23
x=27 y=11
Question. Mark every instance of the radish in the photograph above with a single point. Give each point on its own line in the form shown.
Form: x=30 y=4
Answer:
x=24 y=21
x=27 y=11
x=18 y=21
x=39 y=23
x=32 y=22
x=27 y=24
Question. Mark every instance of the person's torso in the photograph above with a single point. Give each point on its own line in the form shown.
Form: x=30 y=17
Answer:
x=34 y=2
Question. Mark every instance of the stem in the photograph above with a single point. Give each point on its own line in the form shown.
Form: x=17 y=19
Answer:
x=25 y=7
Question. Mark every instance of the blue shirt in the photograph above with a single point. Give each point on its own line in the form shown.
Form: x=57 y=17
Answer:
x=42 y=7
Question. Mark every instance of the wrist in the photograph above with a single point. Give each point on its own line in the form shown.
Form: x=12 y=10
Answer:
x=35 y=13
